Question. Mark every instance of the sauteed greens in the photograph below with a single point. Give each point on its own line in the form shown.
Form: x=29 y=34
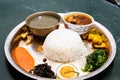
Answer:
x=95 y=60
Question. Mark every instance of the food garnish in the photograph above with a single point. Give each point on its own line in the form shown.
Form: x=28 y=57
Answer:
x=23 y=58
x=40 y=48
x=95 y=60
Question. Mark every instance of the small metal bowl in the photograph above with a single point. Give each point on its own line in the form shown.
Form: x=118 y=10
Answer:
x=43 y=31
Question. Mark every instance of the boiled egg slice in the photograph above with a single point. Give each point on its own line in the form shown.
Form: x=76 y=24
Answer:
x=67 y=71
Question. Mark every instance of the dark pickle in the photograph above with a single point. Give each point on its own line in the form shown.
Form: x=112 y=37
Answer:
x=44 y=70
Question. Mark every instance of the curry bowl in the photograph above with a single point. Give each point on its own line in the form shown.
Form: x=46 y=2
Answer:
x=78 y=21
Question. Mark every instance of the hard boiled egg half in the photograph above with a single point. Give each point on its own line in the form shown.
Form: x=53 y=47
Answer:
x=67 y=71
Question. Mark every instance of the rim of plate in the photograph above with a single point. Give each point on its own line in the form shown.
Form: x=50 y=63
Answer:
x=103 y=67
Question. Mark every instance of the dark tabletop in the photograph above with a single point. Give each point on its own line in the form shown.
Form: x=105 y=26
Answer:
x=13 y=12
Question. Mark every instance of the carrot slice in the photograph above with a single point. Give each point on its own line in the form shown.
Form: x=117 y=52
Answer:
x=23 y=58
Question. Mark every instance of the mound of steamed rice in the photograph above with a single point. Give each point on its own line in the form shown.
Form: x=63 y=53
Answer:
x=63 y=45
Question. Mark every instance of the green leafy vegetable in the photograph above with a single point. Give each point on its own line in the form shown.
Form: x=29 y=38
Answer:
x=95 y=60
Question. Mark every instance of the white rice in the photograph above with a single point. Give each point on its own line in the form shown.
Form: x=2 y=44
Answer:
x=64 y=45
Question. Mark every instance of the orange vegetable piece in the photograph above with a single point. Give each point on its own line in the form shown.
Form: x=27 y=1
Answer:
x=40 y=49
x=23 y=58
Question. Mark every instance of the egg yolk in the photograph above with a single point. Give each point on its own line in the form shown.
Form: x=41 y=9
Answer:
x=67 y=72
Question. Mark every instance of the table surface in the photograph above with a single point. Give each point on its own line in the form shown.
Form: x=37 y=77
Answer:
x=13 y=12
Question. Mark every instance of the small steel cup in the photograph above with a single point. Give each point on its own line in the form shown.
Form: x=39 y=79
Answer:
x=43 y=32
